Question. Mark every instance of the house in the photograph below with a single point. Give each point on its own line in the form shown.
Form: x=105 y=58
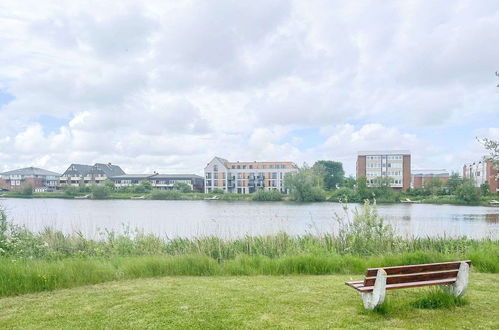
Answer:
x=40 y=179
x=246 y=177
x=160 y=181
x=79 y=174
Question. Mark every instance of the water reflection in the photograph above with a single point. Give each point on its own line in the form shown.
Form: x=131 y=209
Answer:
x=233 y=219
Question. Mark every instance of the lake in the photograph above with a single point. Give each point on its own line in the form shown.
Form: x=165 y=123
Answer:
x=235 y=219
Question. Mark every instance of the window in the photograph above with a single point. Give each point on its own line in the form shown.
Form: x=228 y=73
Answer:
x=208 y=175
x=251 y=166
x=244 y=167
x=215 y=168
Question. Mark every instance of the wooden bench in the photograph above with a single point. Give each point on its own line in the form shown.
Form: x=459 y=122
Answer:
x=452 y=275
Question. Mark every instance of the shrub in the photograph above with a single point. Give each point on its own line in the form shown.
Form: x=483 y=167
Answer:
x=366 y=234
x=27 y=189
x=217 y=191
x=468 y=193
x=70 y=190
x=100 y=191
x=166 y=195
x=267 y=195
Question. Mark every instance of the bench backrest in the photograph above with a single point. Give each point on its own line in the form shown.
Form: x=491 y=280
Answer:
x=416 y=273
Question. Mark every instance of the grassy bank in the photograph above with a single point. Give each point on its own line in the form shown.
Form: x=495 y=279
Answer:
x=47 y=260
x=316 y=302
x=20 y=276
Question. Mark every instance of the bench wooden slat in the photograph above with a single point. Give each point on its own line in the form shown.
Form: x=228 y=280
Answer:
x=418 y=277
x=410 y=269
x=409 y=285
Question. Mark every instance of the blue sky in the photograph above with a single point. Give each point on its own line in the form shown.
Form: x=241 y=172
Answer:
x=168 y=85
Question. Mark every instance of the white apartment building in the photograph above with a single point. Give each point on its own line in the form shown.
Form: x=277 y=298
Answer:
x=246 y=177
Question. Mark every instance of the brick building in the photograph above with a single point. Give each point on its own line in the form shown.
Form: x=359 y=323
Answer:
x=394 y=164
x=40 y=179
x=481 y=172
x=419 y=178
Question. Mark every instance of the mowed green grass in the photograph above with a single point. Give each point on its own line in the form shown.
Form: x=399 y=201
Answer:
x=243 y=302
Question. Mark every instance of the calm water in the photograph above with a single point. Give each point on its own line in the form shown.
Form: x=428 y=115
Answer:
x=232 y=219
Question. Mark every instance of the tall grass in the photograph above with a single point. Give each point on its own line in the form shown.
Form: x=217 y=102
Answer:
x=50 y=259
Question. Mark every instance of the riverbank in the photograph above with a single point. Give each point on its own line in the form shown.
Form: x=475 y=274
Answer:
x=438 y=200
x=245 y=302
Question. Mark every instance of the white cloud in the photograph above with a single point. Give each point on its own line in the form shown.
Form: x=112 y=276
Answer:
x=166 y=86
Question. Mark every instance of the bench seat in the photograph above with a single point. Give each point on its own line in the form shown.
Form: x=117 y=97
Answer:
x=377 y=280
x=359 y=285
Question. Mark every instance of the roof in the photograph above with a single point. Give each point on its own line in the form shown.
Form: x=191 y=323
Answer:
x=133 y=176
x=109 y=169
x=430 y=173
x=178 y=176
x=383 y=152
x=31 y=171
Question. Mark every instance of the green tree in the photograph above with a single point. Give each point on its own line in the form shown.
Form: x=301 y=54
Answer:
x=362 y=189
x=182 y=187
x=454 y=182
x=305 y=185
x=332 y=173
x=349 y=182
x=110 y=184
x=485 y=188
x=147 y=185
x=467 y=192
x=99 y=191
x=434 y=186
x=27 y=189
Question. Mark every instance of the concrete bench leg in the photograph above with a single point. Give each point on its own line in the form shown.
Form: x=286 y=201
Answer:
x=375 y=298
x=459 y=287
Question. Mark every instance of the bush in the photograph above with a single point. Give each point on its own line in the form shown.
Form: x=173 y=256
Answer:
x=267 y=195
x=217 y=191
x=467 y=192
x=27 y=189
x=70 y=190
x=366 y=234
x=166 y=195
x=100 y=191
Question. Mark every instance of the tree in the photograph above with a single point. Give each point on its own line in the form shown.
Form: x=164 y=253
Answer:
x=305 y=185
x=332 y=173
x=467 y=192
x=110 y=184
x=182 y=187
x=454 y=182
x=485 y=188
x=433 y=186
x=99 y=191
x=349 y=182
x=27 y=189
x=147 y=185
x=361 y=188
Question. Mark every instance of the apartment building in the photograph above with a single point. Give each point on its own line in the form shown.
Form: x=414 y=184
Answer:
x=481 y=172
x=419 y=178
x=79 y=174
x=246 y=177
x=160 y=181
x=40 y=179
x=394 y=164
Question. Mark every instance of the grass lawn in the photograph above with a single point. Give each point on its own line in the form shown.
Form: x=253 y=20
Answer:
x=243 y=302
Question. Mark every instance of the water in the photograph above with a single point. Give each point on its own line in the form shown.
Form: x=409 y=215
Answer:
x=234 y=219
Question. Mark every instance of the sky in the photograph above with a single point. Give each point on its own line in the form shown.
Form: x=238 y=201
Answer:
x=167 y=85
